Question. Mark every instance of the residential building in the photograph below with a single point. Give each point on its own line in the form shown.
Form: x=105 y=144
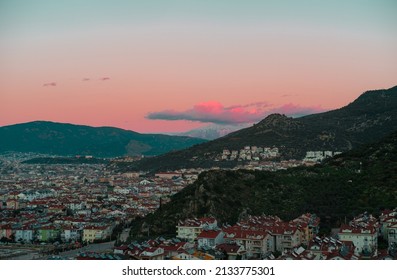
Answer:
x=256 y=243
x=95 y=233
x=365 y=240
x=70 y=234
x=210 y=238
x=152 y=253
x=191 y=228
x=24 y=234
x=48 y=234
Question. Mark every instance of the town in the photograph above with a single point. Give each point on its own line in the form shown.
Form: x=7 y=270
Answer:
x=75 y=204
x=49 y=209
x=268 y=238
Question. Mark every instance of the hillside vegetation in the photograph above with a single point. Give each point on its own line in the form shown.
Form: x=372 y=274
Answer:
x=361 y=180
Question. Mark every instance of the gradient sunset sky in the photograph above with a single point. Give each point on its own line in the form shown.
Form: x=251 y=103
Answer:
x=163 y=66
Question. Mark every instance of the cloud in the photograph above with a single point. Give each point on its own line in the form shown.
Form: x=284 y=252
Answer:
x=289 y=95
x=86 y=79
x=104 y=78
x=215 y=112
x=255 y=104
x=52 y=84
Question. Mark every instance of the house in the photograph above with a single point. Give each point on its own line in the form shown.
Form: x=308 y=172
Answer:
x=57 y=209
x=168 y=175
x=13 y=195
x=344 y=252
x=48 y=234
x=95 y=233
x=24 y=234
x=233 y=251
x=145 y=182
x=70 y=234
x=392 y=233
x=331 y=248
x=388 y=221
x=29 y=195
x=76 y=205
x=256 y=243
x=12 y=204
x=210 y=238
x=171 y=250
x=285 y=237
x=308 y=224
x=365 y=239
x=134 y=251
x=6 y=231
x=191 y=228
x=298 y=253
x=152 y=253
x=121 y=190
x=185 y=256
x=120 y=250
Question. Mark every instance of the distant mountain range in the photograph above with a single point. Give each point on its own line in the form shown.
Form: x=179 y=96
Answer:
x=212 y=132
x=369 y=118
x=69 y=139
x=360 y=180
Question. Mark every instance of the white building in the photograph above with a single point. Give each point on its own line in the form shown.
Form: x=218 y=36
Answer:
x=286 y=238
x=70 y=234
x=121 y=190
x=392 y=233
x=152 y=253
x=388 y=221
x=328 y=154
x=191 y=228
x=24 y=234
x=210 y=238
x=365 y=240
x=256 y=243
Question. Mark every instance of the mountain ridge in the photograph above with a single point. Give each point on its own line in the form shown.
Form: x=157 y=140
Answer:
x=70 y=139
x=213 y=132
x=368 y=118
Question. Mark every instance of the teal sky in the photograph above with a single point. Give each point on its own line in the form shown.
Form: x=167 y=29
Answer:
x=370 y=15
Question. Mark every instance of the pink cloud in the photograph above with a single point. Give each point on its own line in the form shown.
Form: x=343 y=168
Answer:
x=52 y=84
x=215 y=112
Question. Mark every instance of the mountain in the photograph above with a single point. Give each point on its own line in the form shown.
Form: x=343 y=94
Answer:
x=360 y=180
x=369 y=118
x=69 y=139
x=212 y=132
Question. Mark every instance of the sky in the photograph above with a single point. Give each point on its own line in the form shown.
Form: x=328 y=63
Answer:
x=172 y=66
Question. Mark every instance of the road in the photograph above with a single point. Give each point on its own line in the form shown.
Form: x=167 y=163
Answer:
x=98 y=248
x=34 y=254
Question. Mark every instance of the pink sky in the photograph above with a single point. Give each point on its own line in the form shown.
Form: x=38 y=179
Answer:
x=174 y=65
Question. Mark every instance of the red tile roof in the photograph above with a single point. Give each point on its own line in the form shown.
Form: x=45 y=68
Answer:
x=209 y=234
